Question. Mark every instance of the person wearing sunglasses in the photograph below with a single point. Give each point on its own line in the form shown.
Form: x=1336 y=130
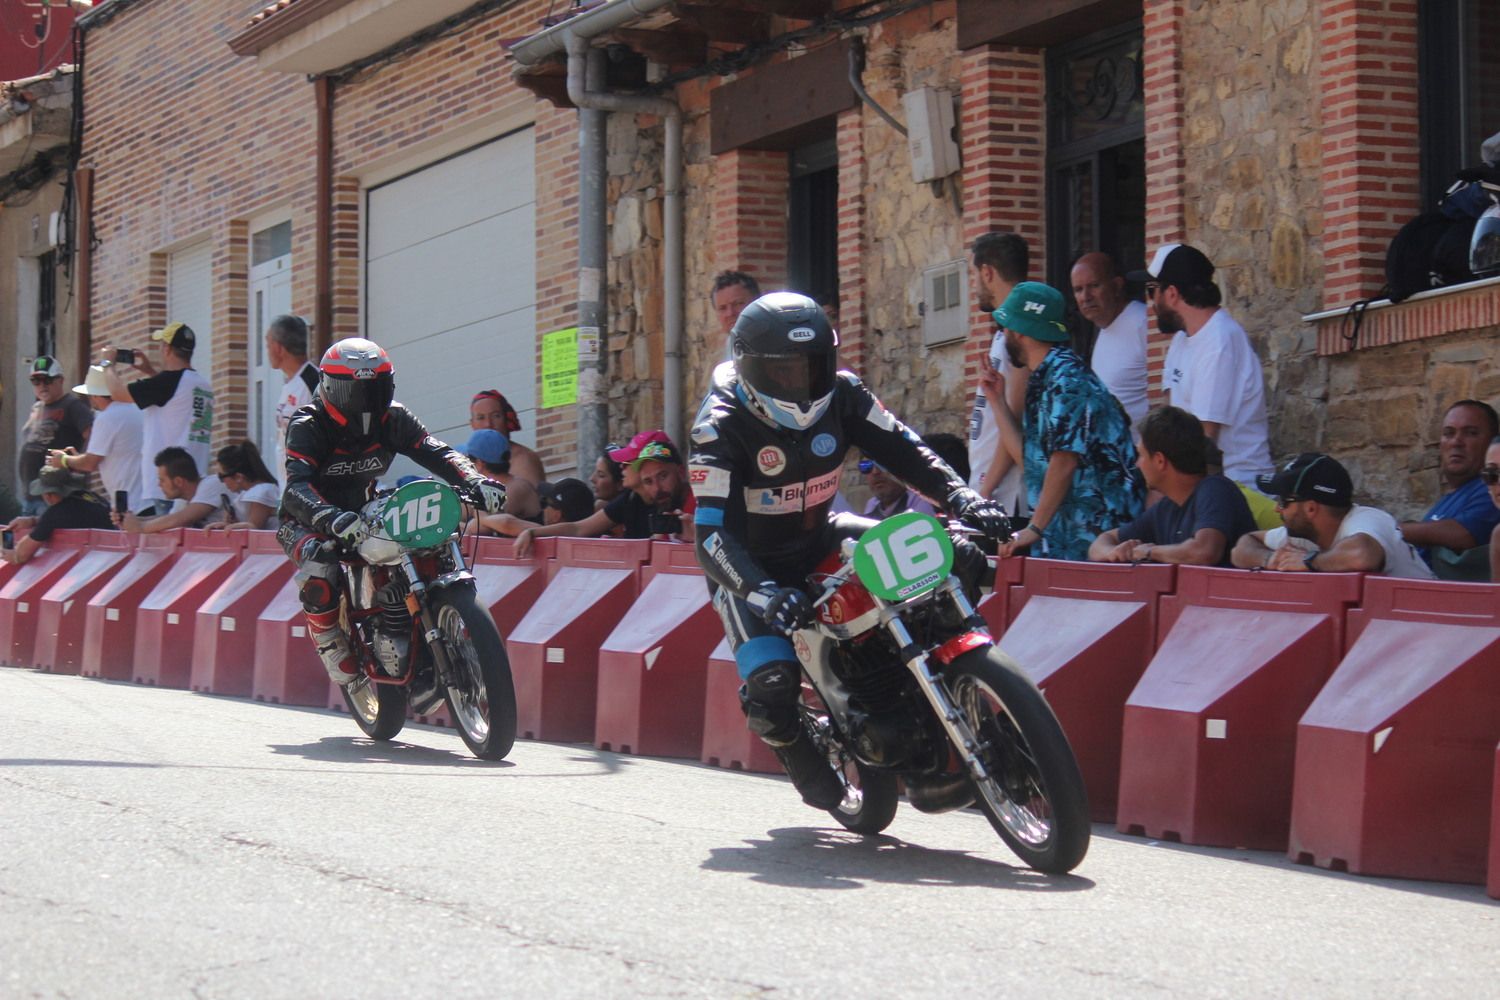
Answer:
x=59 y=420
x=889 y=495
x=1464 y=515
x=1323 y=530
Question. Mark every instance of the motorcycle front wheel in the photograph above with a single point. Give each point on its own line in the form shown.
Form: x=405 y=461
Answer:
x=483 y=699
x=378 y=709
x=1034 y=796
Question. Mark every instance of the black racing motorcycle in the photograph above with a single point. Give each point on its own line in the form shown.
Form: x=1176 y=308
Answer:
x=909 y=684
x=416 y=625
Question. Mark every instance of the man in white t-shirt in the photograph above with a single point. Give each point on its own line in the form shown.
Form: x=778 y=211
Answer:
x=114 y=445
x=1119 y=357
x=1323 y=532
x=196 y=500
x=176 y=402
x=1211 y=371
x=999 y=262
x=286 y=349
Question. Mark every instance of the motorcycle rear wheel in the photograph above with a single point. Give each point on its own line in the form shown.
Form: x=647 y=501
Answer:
x=483 y=707
x=1034 y=796
x=378 y=709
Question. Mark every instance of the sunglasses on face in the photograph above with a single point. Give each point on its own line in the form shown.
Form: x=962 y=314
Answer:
x=866 y=466
x=40 y=380
x=1490 y=474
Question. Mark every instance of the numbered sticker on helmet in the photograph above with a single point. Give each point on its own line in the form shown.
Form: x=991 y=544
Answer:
x=904 y=556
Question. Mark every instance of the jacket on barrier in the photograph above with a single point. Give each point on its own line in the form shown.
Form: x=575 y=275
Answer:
x=328 y=473
x=767 y=490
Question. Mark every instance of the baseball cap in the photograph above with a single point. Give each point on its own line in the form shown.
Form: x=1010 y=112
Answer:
x=46 y=365
x=58 y=481
x=94 y=383
x=572 y=498
x=178 y=336
x=1176 y=264
x=631 y=451
x=489 y=446
x=659 y=451
x=1310 y=476
x=1034 y=310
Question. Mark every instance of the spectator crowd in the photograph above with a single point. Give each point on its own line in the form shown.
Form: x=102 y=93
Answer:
x=1060 y=432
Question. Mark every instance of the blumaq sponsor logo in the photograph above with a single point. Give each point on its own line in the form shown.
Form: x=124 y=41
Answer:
x=793 y=497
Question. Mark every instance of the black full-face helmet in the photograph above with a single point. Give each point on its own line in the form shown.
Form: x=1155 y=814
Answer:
x=357 y=383
x=786 y=356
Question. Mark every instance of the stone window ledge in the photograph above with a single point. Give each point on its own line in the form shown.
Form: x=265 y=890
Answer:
x=1471 y=306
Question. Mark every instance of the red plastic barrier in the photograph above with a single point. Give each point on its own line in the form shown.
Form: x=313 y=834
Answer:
x=726 y=741
x=166 y=618
x=287 y=668
x=110 y=619
x=1494 y=885
x=1395 y=757
x=1084 y=634
x=999 y=607
x=225 y=632
x=1211 y=727
x=554 y=650
x=653 y=668
x=63 y=615
x=21 y=594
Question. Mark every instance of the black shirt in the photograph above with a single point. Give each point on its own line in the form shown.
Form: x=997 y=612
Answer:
x=1216 y=503
x=630 y=510
x=81 y=510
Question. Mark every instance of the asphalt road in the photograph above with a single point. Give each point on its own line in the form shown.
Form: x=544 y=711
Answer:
x=165 y=844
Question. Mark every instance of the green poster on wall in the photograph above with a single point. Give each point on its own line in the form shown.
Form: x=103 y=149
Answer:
x=560 y=367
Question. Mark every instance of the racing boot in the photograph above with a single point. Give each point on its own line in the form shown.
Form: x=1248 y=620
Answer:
x=769 y=700
x=332 y=645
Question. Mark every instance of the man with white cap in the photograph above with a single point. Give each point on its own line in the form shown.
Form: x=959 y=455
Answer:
x=177 y=403
x=1211 y=371
x=114 y=446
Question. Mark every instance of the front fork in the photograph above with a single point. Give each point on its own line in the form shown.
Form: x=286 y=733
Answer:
x=417 y=603
x=965 y=742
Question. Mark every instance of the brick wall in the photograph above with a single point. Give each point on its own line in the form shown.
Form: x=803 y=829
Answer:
x=1370 y=135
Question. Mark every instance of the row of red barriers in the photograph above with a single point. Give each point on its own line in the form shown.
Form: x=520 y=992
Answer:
x=1296 y=712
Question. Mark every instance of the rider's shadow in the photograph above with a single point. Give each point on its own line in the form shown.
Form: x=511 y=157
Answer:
x=808 y=858
x=358 y=750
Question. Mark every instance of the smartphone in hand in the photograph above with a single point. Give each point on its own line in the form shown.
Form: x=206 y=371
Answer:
x=124 y=356
x=122 y=502
x=8 y=539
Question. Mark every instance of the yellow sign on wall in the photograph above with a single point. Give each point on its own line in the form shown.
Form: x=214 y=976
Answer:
x=560 y=367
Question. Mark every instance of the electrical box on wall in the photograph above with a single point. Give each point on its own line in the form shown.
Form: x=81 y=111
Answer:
x=929 y=133
x=945 y=304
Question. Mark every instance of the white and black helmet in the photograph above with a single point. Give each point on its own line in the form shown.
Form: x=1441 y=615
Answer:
x=786 y=356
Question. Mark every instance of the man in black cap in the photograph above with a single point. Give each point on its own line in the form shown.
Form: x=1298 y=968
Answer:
x=69 y=505
x=566 y=500
x=177 y=404
x=1323 y=530
x=58 y=420
x=1211 y=370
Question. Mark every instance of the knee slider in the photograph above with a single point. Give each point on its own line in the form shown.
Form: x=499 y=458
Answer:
x=317 y=594
x=769 y=701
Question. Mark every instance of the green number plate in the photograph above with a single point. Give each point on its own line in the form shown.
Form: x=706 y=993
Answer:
x=904 y=556
x=421 y=514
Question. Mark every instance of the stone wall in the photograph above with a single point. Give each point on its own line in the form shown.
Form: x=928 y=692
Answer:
x=1253 y=198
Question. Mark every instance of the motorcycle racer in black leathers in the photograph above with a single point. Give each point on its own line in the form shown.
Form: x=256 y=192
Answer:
x=337 y=446
x=768 y=452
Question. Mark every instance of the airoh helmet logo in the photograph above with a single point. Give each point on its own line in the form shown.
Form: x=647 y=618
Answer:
x=801 y=334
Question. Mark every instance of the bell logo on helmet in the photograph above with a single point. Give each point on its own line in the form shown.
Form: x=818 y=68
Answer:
x=801 y=334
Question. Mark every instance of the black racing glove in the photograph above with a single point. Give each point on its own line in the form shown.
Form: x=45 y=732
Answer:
x=786 y=609
x=491 y=494
x=980 y=513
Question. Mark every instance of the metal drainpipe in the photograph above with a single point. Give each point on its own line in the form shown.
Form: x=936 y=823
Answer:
x=582 y=97
x=593 y=263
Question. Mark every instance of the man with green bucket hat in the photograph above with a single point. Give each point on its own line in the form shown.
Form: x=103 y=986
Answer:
x=1077 y=452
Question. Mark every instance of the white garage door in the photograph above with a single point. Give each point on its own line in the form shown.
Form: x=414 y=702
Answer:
x=450 y=284
x=190 y=301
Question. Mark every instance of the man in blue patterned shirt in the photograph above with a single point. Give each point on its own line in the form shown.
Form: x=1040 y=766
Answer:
x=1079 y=460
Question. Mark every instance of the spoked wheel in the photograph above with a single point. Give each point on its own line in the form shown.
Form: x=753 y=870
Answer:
x=379 y=709
x=870 y=796
x=1034 y=796
x=483 y=701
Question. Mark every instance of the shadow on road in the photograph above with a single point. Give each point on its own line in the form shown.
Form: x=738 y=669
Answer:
x=358 y=750
x=808 y=858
